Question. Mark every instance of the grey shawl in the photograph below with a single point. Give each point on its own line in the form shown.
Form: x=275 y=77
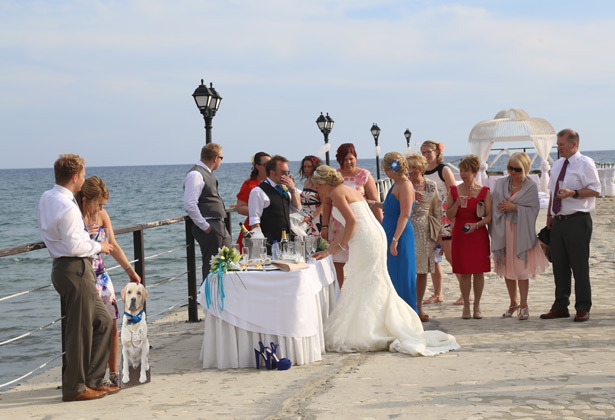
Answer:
x=528 y=206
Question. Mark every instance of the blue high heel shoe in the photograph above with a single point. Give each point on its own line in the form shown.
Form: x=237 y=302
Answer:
x=264 y=354
x=276 y=363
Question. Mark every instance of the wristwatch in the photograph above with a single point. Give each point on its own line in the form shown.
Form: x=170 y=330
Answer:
x=576 y=194
x=294 y=190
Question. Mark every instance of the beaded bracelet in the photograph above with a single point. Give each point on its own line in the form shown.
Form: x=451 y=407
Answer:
x=127 y=267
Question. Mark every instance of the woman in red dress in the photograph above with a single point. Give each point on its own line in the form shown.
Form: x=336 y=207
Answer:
x=257 y=176
x=470 y=244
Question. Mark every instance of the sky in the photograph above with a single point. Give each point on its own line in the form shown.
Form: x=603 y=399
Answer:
x=112 y=80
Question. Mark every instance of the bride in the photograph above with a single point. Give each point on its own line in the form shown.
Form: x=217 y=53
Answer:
x=369 y=316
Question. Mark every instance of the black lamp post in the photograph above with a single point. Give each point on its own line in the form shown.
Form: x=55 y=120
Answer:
x=407 y=135
x=208 y=102
x=376 y=133
x=325 y=124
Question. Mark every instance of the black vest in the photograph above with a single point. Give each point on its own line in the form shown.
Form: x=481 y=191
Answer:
x=210 y=203
x=277 y=216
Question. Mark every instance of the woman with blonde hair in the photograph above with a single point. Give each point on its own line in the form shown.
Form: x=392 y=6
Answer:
x=426 y=220
x=369 y=315
x=397 y=208
x=91 y=199
x=470 y=243
x=516 y=253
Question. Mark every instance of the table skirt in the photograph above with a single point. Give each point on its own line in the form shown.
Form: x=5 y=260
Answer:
x=227 y=346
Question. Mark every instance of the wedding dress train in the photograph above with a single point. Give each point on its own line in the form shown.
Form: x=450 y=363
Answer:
x=370 y=316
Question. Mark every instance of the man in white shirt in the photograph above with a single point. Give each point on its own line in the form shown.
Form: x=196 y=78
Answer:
x=574 y=186
x=86 y=331
x=204 y=205
x=272 y=201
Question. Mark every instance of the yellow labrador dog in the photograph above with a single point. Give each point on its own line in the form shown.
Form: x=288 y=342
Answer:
x=135 y=346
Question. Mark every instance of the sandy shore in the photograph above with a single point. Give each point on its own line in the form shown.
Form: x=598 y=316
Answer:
x=505 y=369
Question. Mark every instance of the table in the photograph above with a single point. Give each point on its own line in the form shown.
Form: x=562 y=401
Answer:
x=288 y=308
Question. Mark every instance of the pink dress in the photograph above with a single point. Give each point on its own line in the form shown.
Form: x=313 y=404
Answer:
x=515 y=268
x=357 y=182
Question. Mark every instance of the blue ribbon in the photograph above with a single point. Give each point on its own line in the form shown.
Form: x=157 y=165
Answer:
x=222 y=268
x=134 y=319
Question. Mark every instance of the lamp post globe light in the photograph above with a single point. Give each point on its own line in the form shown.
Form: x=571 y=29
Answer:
x=207 y=101
x=376 y=133
x=325 y=125
x=407 y=135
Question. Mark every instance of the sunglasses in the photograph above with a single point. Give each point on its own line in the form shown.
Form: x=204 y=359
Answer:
x=510 y=168
x=285 y=172
x=220 y=157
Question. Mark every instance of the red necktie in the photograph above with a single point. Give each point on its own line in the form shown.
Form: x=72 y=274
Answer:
x=557 y=202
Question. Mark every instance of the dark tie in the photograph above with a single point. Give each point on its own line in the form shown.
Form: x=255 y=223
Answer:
x=556 y=206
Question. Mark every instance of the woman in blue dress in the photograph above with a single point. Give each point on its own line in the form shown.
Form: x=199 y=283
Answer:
x=397 y=207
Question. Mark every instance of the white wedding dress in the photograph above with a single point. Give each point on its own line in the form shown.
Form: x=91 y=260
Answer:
x=369 y=315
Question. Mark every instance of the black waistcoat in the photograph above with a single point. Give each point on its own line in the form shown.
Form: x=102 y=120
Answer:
x=277 y=216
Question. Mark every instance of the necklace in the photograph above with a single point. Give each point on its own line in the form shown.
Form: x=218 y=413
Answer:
x=515 y=186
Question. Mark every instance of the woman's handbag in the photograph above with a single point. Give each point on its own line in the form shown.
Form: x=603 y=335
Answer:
x=480 y=209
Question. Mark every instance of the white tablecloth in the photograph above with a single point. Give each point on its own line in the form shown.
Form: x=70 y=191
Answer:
x=286 y=308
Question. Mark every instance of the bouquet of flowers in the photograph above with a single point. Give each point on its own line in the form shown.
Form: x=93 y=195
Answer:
x=226 y=259
x=323 y=245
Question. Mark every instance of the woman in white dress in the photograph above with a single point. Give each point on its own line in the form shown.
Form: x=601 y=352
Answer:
x=369 y=316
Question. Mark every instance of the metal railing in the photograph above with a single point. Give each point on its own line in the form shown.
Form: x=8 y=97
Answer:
x=139 y=262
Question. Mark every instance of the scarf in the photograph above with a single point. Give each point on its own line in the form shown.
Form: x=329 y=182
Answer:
x=528 y=206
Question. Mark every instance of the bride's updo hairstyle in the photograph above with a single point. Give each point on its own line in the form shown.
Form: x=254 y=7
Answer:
x=395 y=162
x=327 y=175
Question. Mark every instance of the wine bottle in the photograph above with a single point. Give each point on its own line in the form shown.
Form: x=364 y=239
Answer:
x=246 y=233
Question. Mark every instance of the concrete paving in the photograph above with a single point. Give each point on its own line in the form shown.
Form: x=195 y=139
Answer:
x=505 y=369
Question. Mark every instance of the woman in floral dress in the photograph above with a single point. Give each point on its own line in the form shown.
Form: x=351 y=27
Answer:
x=91 y=199
x=310 y=200
x=427 y=222
x=359 y=179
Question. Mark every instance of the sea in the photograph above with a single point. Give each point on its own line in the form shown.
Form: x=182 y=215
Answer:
x=138 y=194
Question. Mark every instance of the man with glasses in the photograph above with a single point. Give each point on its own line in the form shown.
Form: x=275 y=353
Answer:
x=204 y=205
x=272 y=201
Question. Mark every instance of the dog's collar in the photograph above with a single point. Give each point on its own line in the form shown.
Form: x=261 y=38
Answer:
x=134 y=319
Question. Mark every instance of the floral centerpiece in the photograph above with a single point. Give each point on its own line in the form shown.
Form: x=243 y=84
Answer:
x=225 y=260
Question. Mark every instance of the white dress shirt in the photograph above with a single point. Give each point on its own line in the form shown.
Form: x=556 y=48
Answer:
x=193 y=187
x=62 y=227
x=259 y=201
x=580 y=173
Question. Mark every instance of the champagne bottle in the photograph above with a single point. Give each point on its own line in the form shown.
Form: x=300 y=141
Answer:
x=284 y=242
x=246 y=233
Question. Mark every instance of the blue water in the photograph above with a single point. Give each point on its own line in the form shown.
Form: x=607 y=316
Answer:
x=137 y=195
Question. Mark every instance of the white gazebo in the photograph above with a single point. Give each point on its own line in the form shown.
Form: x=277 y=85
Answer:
x=510 y=125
